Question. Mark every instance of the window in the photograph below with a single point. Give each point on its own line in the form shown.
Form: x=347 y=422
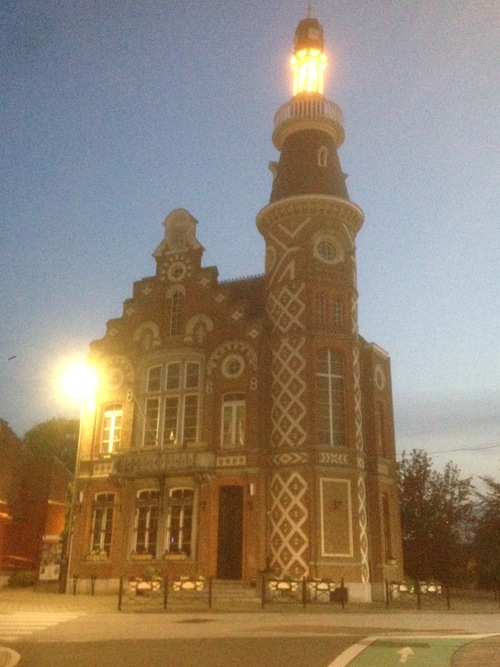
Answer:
x=102 y=523
x=146 y=522
x=337 y=314
x=154 y=378
x=322 y=156
x=330 y=409
x=180 y=521
x=380 y=430
x=151 y=421
x=320 y=311
x=171 y=416
x=111 y=428
x=328 y=312
x=176 y=304
x=181 y=403
x=233 y=420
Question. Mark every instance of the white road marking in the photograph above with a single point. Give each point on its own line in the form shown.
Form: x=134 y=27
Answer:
x=22 y=623
x=8 y=657
x=404 y=654
x=345 y=658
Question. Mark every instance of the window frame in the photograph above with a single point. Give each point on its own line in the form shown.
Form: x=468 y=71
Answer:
x=101 y=534
x=147 y=527
x=113 y=412
x=180 y=511
x=237 y=426
x=334 y=390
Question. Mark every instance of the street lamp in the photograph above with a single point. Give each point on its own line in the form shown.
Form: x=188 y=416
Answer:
x=80 y=383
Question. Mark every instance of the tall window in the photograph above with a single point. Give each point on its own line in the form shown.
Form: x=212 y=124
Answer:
x=380 y=430
x=176 y=304
x=146 y=522
x=330 y=408
x=180 y=521
x=337 y=313
x=320 y=310
x=111 y=428
x=233 y=420
x=151 y=422
x=102 y=523
x=171 y=407
x=181 y=402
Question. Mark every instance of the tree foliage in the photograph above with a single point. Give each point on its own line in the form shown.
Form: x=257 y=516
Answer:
x=436 y=514
x=486 y=545
x=55 y=437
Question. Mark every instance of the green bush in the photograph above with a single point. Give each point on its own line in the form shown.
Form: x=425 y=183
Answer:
x=22 y=578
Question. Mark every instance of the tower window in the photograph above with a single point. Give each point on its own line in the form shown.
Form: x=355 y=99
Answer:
x=322 y=156
x=330 y=402
x=337 y=314
x=320 y=315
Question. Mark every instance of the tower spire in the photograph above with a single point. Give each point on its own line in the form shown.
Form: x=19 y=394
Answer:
x=309 y=10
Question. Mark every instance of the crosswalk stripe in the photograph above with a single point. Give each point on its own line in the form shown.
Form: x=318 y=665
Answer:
x=19 y=624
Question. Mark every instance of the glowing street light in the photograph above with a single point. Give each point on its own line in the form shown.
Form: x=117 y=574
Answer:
x=80 y=382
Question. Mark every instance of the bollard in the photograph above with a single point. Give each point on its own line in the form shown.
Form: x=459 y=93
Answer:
x=75 y=583
x=120 y=594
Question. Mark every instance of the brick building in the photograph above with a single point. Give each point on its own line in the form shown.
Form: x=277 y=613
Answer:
x=246 y=424
x=33 y=502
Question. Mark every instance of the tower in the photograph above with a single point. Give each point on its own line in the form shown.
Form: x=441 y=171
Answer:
x=321 y=463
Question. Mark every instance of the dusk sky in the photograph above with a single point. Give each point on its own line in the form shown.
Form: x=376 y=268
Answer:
x=116 y=112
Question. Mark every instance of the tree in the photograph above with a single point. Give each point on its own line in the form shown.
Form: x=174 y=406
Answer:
x=486 y=545
x=55 y=437
x=436 y=514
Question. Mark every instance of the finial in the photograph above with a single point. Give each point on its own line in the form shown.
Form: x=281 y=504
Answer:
x=309 y=9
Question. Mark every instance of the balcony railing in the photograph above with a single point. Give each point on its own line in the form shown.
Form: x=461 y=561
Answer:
x=309 y=108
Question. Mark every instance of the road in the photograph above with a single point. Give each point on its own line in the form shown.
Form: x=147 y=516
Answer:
x=246 y=640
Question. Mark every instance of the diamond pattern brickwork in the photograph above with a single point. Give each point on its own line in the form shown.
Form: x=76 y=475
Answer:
x=288 y=393
x=289 y=517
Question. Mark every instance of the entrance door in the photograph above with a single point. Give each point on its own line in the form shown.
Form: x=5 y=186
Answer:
x=230 y=536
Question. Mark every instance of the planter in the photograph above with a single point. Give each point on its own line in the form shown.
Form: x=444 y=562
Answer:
x=97 y=557
x=174 y=557
x=188 y=585
x=141 y=557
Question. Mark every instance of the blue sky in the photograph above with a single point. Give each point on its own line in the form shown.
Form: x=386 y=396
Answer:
x=114 y=113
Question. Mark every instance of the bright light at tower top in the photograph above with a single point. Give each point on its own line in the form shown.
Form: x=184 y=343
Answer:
x=309 y=60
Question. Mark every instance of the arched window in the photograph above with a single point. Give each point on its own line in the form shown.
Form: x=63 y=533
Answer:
x=146 y=522
x=180 y=521
x=330 y=402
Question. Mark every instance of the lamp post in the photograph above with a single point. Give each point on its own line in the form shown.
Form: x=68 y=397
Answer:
x=80 y=383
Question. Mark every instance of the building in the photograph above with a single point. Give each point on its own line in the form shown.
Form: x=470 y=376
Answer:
x=246 y=425
x=33 y=502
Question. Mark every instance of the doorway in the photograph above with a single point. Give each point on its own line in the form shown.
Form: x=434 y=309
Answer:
x=230 y=533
